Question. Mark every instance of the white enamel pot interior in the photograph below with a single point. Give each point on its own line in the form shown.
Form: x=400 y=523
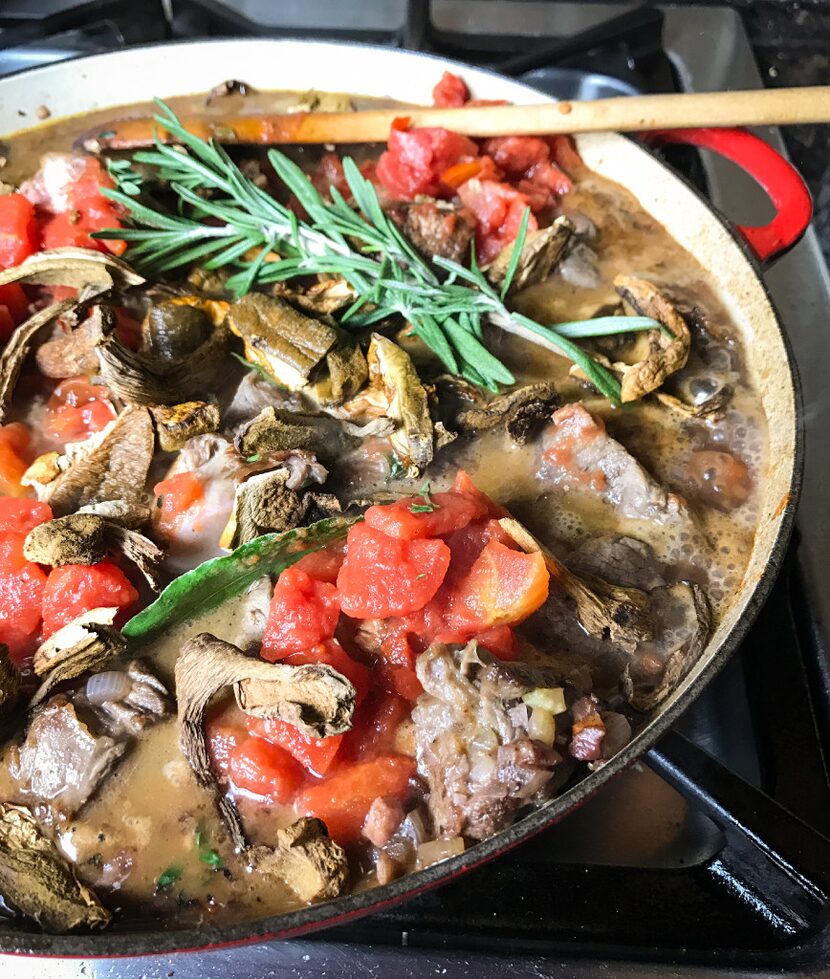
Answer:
x=137 y=74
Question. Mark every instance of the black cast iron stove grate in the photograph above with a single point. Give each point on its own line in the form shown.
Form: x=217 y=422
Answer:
x=690 y=861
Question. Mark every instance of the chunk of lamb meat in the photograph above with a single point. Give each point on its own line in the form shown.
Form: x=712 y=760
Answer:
x=579 y=457
x=437 y=228
x=63 y=761
x=474 y=750
x=382 y=820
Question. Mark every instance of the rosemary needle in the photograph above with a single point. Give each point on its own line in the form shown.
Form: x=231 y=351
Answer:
x=225 y=219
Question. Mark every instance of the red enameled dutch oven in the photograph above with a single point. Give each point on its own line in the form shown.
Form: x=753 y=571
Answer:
x=731 y=255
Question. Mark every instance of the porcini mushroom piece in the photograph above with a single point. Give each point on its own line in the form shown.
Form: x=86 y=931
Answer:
x=284 y=343
x=75 y=353
x=667 y=354
x=691 y=639
x=142 y=379
x=92 y=273
x=311 y=863
x=262 y=503
x=522 y=412
x=321 y=299
x=35 y=878
x=267 y=432
x=115 y=469
x=175 y=424
x=85 y=645
x=315 y=698
x=605 y=610
x=396 y=382
x=144 y=553
x=78 y=538
x=9 y=684
x=541 y=251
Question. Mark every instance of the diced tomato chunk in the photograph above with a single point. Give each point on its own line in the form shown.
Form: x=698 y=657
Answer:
x=222 y=737
x=405 y=682
x=517 y=154
x=88 y=209
x=303 y=612
x=15 y=300
x=316 y=755
x=77 y=409
x=260 y=767
x=384 y=576
x=417 y=158
x=564 y=154
x=343 y=800
x=324 y=564
x=500 y=641
x=504 y=586
x=174 y=497
x=14 y=443
x=464 y=484
x=332 y=654
x=22 y=585
x=411 y=518
x=20 y=516
x=76 y=588
x=451 y=92
x=19 y=237
x=499 y=209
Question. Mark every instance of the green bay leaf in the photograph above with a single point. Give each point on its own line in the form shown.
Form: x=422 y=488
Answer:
x=214 y=582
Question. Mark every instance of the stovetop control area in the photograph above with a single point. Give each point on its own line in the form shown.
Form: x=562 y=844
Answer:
x=685 y=864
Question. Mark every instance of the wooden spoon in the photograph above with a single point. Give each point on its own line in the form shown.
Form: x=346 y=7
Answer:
x=777 y=106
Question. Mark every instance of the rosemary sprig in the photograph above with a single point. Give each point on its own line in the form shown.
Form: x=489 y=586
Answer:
x=225 y=219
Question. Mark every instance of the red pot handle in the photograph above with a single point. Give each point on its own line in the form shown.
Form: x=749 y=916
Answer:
x=779 y=178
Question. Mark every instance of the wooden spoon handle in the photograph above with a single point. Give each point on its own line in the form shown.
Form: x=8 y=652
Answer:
x=781 y=106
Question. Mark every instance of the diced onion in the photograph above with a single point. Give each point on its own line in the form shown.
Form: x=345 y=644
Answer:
x=519 y=716
x=485 y=738
x=551 y=699
x=106 y=686
x=413 y=827
x=482 y=765
x=435 y=850
x=542 y=726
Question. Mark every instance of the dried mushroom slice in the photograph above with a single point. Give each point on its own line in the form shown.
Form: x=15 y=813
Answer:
x=686 y=601
x=522 y=412
x=264 y=503
x=312 y=864
x=397 y=386
x=115 y=469
x=268 y=432
x=79 y=538
x=314 y=698
x=85 y=645
x=144 y=553
x=142 y=379
x=74 y=353
x=9 y=684
x=91 y=272
x=321 y=299
x=129 y=515
x=712 y=408
x=285 y=344
x=541 y=252
x=347 y=372
x=172 y=330
x=36 y=880
x=667 y=354
x=605 y=610
x=176 y=424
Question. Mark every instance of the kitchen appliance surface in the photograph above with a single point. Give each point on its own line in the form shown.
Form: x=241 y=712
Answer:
x=685 y=836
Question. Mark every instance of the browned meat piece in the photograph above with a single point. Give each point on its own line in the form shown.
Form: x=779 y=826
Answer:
x=588 y=731
x=437 y=228
x=473 y=743
x=62 y=761
x=624 y=560
x=382 y=820
x=579 y=456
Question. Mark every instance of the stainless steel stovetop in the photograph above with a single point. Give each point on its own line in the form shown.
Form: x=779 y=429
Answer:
x=638 y=821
